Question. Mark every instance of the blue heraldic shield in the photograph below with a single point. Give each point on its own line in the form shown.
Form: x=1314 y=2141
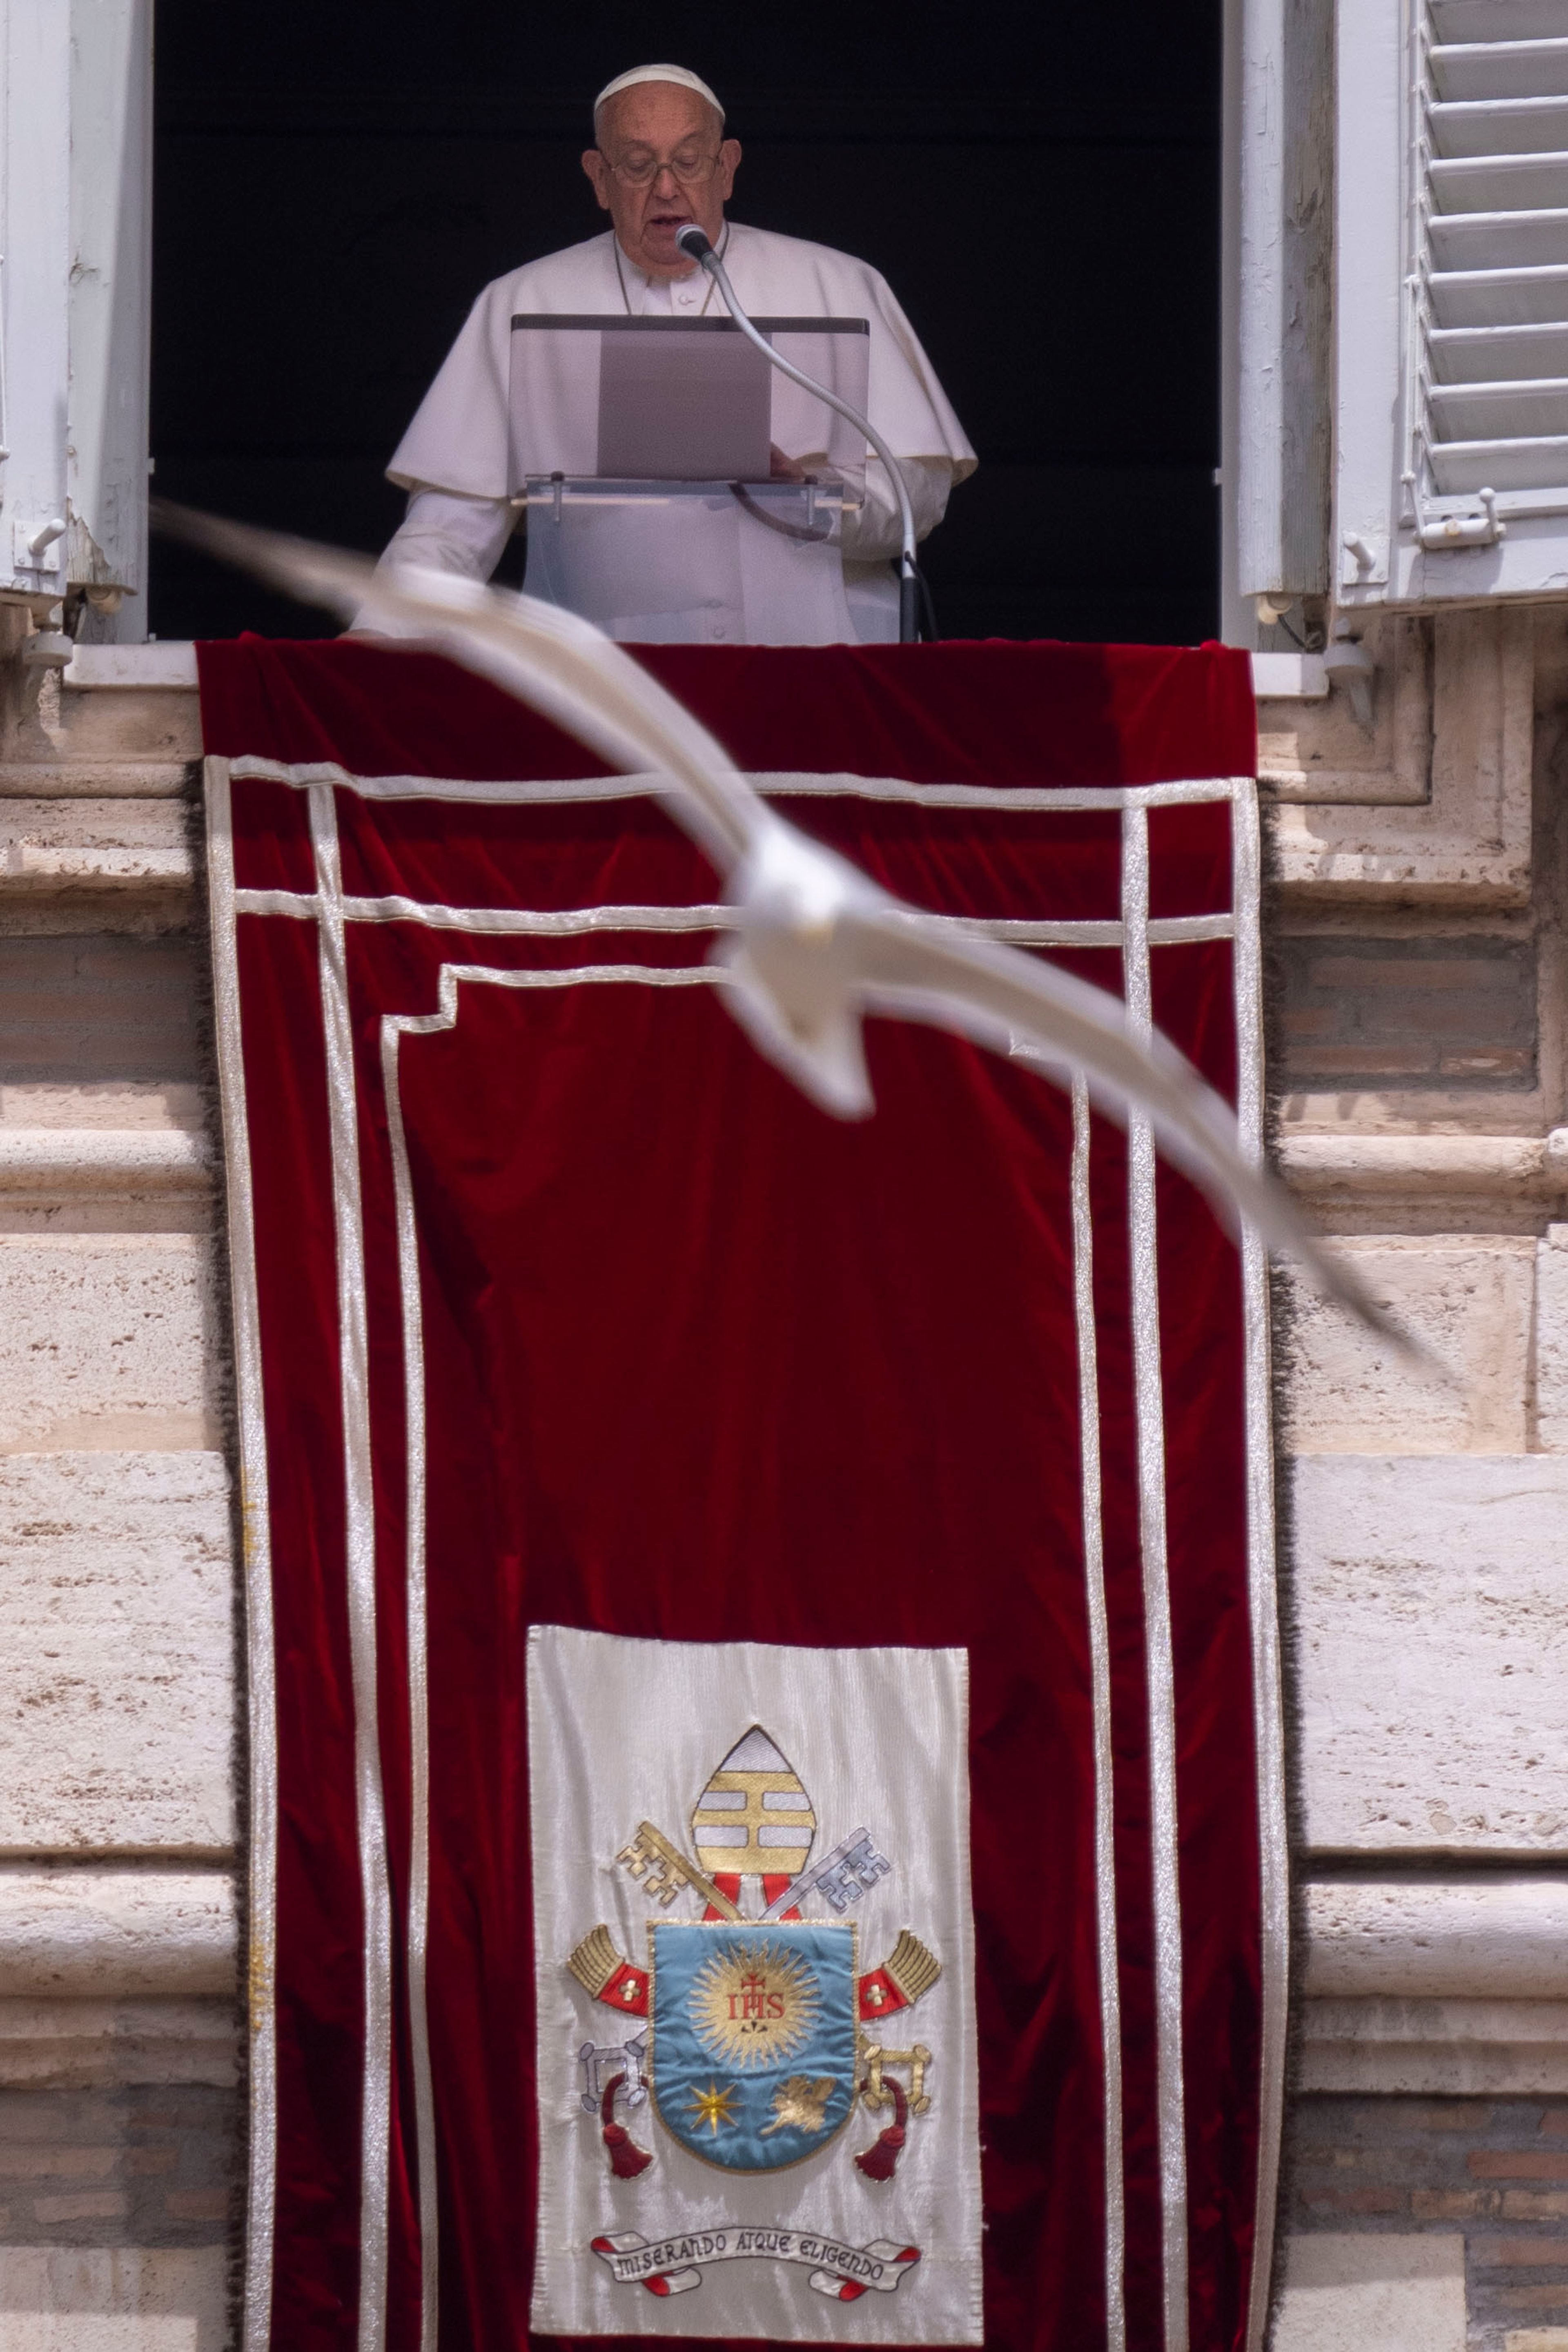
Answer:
x=753 y=2045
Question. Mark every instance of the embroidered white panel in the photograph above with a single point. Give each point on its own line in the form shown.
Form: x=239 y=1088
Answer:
x=758 y=2087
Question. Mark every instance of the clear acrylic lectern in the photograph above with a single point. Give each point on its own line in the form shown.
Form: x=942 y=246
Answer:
x=680 y=490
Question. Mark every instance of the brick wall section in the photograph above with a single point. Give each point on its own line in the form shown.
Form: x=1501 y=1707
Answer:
x=140 y=2167
x=1492 y=2170
x=1448 y=1012
x=86 y=1006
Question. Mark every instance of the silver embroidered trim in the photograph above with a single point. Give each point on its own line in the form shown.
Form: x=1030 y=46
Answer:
x=788 y=781
x=1104 y=1761
x=454 y=976
x=1149 y=1406
x=418 y=1692
x=256 y=2320
x=1267 y=1708
x=570 y=922
x=375 y=2118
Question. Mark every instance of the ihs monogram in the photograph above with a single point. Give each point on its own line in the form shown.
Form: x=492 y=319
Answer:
x=755 y=2003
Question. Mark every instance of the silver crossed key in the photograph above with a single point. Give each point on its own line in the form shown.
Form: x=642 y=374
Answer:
x=840 y=1878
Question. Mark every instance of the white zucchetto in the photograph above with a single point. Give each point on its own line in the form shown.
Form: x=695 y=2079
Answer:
x=657 y=73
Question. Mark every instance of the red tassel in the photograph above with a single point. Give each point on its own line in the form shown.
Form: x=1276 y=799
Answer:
x=880 y=2160
x=627 y=2160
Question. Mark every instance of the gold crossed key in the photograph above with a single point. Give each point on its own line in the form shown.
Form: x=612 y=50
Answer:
x=662 y=1870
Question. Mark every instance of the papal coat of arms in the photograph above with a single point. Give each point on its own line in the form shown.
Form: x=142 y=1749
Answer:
x=758 y=2033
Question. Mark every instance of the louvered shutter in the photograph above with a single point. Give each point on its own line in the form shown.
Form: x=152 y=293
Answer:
x=1451 y=245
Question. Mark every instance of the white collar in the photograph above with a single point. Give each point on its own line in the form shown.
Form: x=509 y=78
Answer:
x=648 y=283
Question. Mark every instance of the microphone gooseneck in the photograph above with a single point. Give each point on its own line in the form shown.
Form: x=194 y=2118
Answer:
x=690 y=239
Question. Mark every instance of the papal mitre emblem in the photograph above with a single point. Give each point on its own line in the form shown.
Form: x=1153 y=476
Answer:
x=753 y=1819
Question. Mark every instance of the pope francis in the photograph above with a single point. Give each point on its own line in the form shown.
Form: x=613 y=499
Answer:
x=659 y=159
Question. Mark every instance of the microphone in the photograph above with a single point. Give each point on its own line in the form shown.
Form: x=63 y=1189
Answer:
x=690 y=239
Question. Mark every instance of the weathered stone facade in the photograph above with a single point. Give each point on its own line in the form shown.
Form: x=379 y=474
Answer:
x=1418 y=929
x=121 y=2099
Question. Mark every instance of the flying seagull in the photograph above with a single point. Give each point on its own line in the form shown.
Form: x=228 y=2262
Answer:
x=816 y=944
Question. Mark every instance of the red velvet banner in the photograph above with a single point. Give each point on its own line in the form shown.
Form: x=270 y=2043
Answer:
x=556 y=1306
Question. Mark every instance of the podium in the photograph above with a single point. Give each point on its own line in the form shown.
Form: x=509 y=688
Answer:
x=677 y=489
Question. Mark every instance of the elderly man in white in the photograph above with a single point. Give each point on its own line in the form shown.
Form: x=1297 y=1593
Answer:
x=660 y=160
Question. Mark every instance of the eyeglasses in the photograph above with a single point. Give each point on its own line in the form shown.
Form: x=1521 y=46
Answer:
x=690 y=170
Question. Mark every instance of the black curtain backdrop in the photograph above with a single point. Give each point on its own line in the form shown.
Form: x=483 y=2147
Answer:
x=1039 y=185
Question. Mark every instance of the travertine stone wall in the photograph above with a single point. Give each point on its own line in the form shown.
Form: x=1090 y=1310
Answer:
x=1419 y=938
x=120 y=2102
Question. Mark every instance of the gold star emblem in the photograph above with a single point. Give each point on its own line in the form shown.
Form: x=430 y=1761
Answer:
x=711 y=2107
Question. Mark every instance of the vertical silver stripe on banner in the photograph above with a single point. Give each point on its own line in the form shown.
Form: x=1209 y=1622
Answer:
x=1148 y=1407
x=360 y=1547
x=395 y=1027
x=419 y=1687
x=1273 y=1858
x=256 y=2310
x=1099 y=1686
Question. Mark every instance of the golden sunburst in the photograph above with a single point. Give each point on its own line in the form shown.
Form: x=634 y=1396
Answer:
x=711 y=2107
x=755 y=2003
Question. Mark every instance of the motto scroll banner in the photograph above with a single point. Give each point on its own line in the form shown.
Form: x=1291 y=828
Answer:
x=765 y=1741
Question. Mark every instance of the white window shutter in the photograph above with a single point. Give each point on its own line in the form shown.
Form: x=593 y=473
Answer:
x=1451 y=301
x=75 y=193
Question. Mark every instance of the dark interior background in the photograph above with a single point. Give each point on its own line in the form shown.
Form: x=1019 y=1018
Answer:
x=1041 y=184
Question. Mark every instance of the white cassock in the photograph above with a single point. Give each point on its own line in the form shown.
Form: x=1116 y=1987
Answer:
x=455 y=458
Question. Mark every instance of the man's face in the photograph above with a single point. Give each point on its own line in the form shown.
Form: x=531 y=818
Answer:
x=660 y=162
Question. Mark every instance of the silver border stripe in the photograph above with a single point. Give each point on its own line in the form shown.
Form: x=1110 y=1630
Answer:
x=1150 y=1424
x=839 y=785
x=1268 y=1706
x=419 y=1693
x=256 y=2320
x=375 y=2118
x=1104 y=1762
x=571 y=922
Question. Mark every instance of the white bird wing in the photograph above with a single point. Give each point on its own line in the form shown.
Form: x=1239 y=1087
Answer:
x=550 y=659
x=817 y=942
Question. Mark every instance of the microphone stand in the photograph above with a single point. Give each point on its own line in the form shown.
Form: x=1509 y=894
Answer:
x=692 y=240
